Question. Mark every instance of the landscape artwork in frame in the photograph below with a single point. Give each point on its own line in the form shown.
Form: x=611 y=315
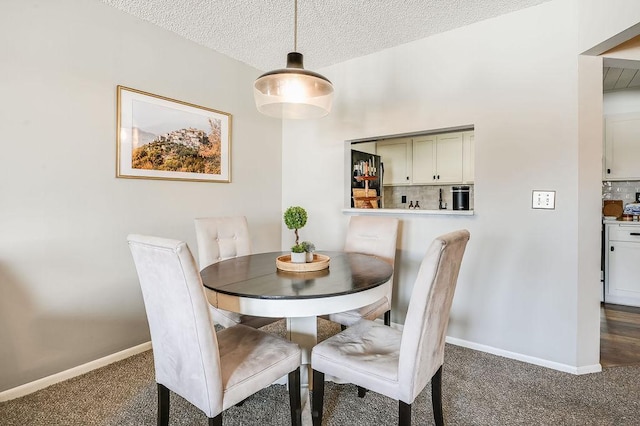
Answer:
x=162 y=138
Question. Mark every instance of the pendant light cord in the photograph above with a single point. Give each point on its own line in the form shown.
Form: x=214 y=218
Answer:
x=295 y=26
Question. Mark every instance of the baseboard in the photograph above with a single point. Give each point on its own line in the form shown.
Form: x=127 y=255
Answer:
x=595 y=368
x=36 y=385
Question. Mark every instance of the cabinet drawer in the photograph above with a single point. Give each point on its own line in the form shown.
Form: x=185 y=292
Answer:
x=624 y=233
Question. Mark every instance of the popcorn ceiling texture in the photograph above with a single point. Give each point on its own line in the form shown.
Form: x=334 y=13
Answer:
x=260 y=32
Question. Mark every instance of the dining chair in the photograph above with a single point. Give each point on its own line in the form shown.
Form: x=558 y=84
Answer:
x=394 y=363
x=375 y=236
x=213 y=371
x=221 y=238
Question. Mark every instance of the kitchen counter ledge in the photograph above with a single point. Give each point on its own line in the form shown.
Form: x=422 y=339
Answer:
x=410 y=212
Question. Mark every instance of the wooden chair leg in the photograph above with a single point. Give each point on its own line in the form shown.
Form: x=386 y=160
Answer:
x=216 y=421
x=387 y=318
x=436 y=397
x=294 y=397
x=361 y=392
x=317 y=401
x=404 y=414
x=163 y=405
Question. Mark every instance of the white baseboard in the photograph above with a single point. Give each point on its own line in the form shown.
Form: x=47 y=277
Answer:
x=595 y=368
x=36 y=385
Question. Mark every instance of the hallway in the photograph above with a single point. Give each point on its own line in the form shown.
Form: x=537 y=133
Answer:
x=619 y=335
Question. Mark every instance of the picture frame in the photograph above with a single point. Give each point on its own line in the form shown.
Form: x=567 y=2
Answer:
x=163 y=138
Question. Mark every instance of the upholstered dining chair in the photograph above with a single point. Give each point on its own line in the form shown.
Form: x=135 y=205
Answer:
x=221 y=238
x=399 y=364
x=213 y=371
x=376 y=236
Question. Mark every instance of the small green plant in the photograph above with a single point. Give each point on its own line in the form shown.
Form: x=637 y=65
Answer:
x=308 y=246
x=298 y=248
x=295 y=217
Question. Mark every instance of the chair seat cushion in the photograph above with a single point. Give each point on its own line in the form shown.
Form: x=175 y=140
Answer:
x=366 y=354
x=369 y=312
x=251 y=359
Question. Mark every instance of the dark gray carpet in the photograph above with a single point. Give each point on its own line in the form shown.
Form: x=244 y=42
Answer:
x=478 y=389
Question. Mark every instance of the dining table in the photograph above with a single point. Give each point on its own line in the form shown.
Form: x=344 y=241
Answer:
x=253 y=285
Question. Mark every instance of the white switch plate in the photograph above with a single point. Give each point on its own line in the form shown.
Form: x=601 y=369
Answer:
x=544 y=200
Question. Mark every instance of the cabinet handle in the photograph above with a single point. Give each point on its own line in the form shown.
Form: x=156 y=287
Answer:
x=612 y=248
x=634 y=233
x=407 y=177
x=608 y=171
x=438 y=177
x=434 y=177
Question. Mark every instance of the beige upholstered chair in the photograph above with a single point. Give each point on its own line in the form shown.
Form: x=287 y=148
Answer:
x=376 y=236
x=394 y=363
x=221 y=238
x=213 y=371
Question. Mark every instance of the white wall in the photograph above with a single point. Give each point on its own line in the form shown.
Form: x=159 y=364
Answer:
x=515 y=80
x=68 y=289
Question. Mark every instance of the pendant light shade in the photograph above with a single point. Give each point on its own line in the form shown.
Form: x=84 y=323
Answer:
x=293 y=92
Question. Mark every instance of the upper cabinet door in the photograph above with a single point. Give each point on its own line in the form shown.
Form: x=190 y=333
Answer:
x=395 y=156
x=468 y=155
x=424 y=160
x=622 y=147
x=449 y=158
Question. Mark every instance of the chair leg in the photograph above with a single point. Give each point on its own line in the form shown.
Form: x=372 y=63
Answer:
x=294 y=397
x=436 y=397
x=317 y=401
x=361 y=392
x=404 y=414
x=387 y=318
x=216 y=421
x=163 y=405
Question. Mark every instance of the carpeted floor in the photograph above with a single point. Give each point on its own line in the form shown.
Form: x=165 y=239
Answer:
x=478 y=389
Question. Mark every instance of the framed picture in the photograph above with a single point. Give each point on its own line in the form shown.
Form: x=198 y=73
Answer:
x=162 y=138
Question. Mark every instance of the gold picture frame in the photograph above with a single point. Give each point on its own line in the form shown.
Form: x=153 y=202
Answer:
x=163 y=138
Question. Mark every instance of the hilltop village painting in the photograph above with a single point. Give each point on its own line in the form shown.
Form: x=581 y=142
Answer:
x=161 y=138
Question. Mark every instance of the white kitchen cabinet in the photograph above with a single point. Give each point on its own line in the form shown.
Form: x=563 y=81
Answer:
x=622 y=147
x=396 y=157
x=437 y=159
x=622 y=264
x=468 y=156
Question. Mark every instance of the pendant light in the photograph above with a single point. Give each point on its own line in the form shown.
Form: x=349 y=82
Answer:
x=293 y=92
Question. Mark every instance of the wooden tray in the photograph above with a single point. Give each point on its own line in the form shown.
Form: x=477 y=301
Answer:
x=320 y=262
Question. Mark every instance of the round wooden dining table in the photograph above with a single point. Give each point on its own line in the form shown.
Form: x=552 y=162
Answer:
x=252 y=285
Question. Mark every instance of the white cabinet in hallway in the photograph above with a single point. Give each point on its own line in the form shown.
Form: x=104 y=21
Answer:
x=622 y=264
x=622 y=147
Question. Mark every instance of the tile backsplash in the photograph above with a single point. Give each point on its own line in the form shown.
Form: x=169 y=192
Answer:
x=426 y=195
x=623 y=190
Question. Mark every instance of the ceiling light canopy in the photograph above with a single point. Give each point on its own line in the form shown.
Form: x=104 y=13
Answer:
x=293 y=92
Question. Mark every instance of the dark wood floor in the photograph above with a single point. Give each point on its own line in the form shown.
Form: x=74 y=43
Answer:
x=619 y=335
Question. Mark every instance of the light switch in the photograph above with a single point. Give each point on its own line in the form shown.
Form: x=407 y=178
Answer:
x=544 y=200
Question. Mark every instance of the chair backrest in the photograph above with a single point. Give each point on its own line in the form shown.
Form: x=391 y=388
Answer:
x=373 y=235
x=425 y=327
x=221 y=238
x=185 y=347
x=376 y=236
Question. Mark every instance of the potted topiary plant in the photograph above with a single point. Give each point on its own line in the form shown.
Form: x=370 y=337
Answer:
x=295 y=217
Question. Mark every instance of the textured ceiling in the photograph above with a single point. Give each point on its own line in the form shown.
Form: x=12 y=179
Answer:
x=260 y=32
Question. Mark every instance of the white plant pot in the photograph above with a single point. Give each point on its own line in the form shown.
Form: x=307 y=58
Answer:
x=298 y=257
x=309 y=256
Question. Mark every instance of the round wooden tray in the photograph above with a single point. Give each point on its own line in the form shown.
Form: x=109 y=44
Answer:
x=320 y=262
